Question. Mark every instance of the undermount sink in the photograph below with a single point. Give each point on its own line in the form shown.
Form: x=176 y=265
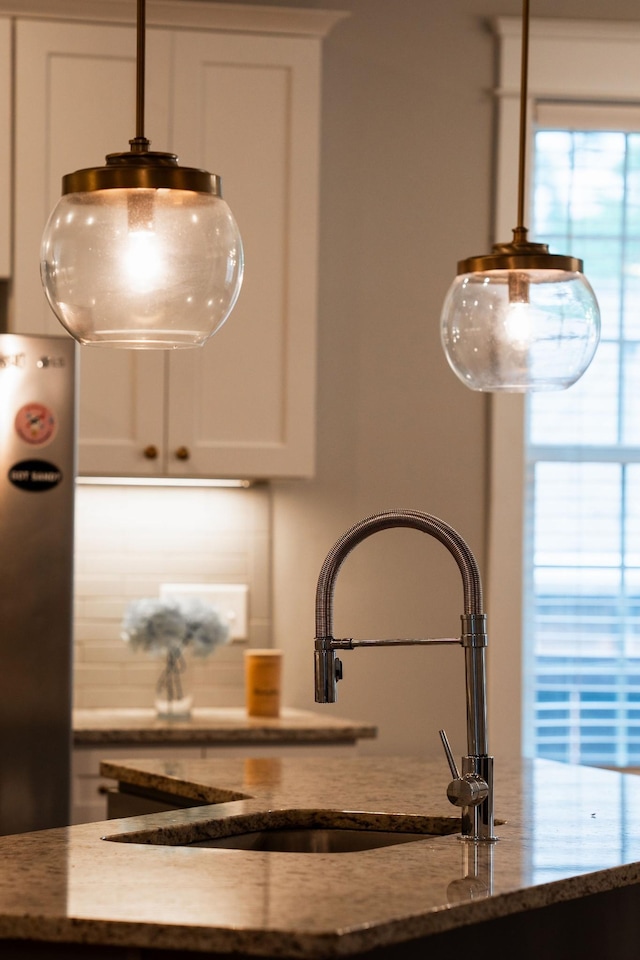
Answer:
x=298 y=831
x=309 y=840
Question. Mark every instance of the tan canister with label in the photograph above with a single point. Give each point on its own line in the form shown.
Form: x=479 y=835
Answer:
x=263 y=681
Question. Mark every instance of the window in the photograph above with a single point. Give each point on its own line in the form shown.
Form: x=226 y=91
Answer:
x=582 y=446
x=563 y=592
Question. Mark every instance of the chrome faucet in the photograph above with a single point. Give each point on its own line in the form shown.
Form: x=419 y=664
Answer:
x=473 y=788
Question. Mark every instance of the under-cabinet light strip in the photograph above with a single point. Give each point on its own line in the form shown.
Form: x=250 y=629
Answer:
x=161 y=482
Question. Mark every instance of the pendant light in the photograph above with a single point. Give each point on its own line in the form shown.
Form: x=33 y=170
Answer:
x=141 y=252
x=520 y=318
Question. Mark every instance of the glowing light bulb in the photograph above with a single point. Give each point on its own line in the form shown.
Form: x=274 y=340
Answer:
x=518 y=325
x=143 y=262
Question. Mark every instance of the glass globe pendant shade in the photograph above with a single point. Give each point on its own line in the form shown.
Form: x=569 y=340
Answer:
x=141 y=253
x=532 y=324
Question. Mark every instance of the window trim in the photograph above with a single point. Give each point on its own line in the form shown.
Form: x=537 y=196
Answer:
x=578 y=61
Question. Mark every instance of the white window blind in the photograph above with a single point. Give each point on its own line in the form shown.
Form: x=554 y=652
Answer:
x=582 y=530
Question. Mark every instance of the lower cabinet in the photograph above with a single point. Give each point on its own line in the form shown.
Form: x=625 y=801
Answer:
x=124 y=802
x=89 y=790
x=92 y=796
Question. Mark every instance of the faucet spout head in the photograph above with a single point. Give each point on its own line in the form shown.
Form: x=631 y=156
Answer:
x=327 y=669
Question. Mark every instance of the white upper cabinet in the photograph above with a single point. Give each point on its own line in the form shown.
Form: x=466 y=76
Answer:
x=242 y=102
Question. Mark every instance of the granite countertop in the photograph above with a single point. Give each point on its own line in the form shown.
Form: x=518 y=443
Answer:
x=569 y=831
x=225 y=725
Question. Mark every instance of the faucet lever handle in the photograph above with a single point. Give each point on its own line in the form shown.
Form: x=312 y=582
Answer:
x=455 y=773
x=467 y=791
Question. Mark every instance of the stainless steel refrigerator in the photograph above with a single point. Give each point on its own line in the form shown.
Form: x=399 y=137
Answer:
x=37 y=475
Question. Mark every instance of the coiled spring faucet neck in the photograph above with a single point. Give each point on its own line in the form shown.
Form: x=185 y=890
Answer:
x=477 y=821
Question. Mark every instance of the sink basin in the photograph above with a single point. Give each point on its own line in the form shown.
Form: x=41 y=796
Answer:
x=297 y=831
x=309 y=840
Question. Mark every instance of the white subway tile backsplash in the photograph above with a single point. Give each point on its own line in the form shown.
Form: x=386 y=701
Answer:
x=89 y=631
x=86 y=586
x=131 y=539
x=222 y=679
x=96 y=651
x=145 y=681
x=261 y=633
x=136 y=587
x=105 y=696
x=97 y=674
x=101 y=608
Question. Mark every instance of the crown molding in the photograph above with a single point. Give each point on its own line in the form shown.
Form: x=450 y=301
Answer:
x=185 y=14
x=601 y=30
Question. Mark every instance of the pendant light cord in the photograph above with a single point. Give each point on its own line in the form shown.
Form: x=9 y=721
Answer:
x=520 y=233
x=140 y=144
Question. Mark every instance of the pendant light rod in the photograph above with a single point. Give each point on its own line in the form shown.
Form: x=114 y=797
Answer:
x=140 y=144
x=521 y=231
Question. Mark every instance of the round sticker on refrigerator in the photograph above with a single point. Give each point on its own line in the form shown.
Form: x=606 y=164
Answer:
x=35 y=475
x=35 y=424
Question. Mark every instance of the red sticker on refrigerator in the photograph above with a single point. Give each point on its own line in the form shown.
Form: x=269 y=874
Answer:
x=35 y=423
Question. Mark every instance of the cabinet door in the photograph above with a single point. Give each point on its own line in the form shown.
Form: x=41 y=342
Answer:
x=247 y=108
x=75 y=102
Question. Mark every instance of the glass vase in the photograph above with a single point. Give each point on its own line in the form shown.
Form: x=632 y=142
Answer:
x=172 y=700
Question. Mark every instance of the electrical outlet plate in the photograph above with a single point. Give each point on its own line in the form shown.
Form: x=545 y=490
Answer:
x=231 y=599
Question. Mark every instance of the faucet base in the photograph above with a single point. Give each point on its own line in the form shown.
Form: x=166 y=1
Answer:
x=477 y=821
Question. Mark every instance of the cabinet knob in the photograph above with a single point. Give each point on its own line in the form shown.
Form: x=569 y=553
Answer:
x=151 y=452
x=182 y=453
